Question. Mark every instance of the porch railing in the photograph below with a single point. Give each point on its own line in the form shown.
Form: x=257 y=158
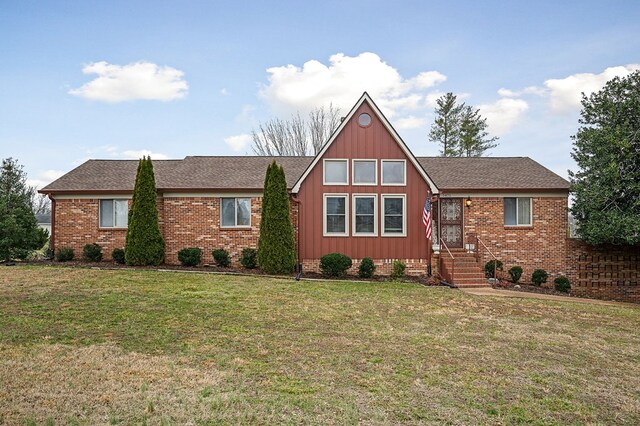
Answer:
x=479 y=256
x=445 y=271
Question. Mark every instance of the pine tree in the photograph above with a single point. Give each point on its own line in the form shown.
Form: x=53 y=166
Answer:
x=144 y=243
x=474 y=138
x=19 y=231
x=445 y=130
x=276 y=247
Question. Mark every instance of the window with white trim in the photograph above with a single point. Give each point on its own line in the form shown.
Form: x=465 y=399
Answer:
x=335 y=215
x=235 y=212
x=517 y=211
x=364 y=215
x=394 y=215
x=114 y=213
x=394 y=172
x=364 y=172
x=336 y=172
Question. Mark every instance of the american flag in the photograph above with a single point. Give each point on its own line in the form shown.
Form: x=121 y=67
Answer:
x=426 y=216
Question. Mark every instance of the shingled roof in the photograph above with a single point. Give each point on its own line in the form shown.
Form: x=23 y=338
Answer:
x=247 y=173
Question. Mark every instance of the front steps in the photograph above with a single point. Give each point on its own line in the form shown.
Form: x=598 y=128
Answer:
x=467 y=273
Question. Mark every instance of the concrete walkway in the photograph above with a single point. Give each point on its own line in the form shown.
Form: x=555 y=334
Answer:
x=487 y=291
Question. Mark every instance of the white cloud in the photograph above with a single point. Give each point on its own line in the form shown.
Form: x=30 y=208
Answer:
x=224 y=91
x=410 y=122
x=343 y=80
x=239 y=142
x=565 y=93
x=503 y=114
x=137 y=154
x=44 y=178
x=139 y=80
x=530 y=90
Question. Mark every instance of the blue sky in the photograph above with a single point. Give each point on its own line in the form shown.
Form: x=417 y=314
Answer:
x=114 y=79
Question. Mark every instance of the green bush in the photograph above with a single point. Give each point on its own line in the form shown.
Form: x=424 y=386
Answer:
x=515 y=272
x=335 y=264
x=64 y=254
x=276 y=246
x=488 y=268
x=118 y=255
x=144 y=243
x=539 y=277
x=366 y=268
x=191 y=256
x=92 y=253
x=398 y=269
x=562 y=284
x=249 y=258
x=221 y=257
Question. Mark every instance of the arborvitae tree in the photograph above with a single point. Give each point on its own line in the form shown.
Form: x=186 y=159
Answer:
x=144 y=244
x=474 y=138
x=276 y=247
x=445 y=130
x=606 y=187
x=19 y=231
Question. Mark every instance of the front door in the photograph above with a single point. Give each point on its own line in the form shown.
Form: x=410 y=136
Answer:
x=451 y=217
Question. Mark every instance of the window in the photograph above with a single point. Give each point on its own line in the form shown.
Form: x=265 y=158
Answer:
x=517 y=211
x=364 y=120
x=235 y=212
x=335 y=172
x=114 y=213
x=364 y=172
x=364 y=215
x=335 y=215
x=393 y=207
x=393 y=172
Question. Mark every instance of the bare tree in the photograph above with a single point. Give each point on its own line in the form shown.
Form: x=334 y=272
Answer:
x=40 y=203
x=296 y=136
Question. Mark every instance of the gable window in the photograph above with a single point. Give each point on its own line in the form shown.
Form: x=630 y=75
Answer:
x=235 y=212
x=394 y=215
x=364 y=172
x=393 y=172
x=336 y=172
x=364 y=215
x=335 y=215
x=517 y=211
x=114 y=213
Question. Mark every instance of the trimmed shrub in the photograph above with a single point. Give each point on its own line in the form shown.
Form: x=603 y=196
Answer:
x=221 y=257
x=366 y=268
x=191 y=256
x=64 y=254
x=488 y=268
x=276 y=246
x=144 y=244
x=539 y=277
x=335 y=264
x=118 y=255
x=515 y=272
x=92 y=253
x=398 y=269
x=562 y=284
x=249 y=258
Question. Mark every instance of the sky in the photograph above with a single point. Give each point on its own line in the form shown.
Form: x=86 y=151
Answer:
x=120 y=79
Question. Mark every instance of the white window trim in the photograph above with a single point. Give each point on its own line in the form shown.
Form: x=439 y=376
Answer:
x=404 y=215
x=324 y=215
x=324 y=174
x=519 y=225
x=375 y=171
x=375 y=215
x=113 y=200
x=395 y=160
x=236 y=215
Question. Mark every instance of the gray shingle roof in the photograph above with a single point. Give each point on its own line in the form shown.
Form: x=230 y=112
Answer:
x=247 y=172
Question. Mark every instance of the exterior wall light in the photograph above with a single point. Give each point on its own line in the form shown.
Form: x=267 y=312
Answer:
x=468 y=202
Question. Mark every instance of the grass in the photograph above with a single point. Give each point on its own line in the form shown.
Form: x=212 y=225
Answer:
x=82 y=346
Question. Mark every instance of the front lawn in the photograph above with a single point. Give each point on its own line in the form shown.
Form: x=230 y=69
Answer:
x=80 y=346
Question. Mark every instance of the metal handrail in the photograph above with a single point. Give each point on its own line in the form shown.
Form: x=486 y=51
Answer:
x=495 y=259
x=444 y=271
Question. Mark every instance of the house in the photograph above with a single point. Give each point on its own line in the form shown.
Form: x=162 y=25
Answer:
x=362 y=195
x=44 y=221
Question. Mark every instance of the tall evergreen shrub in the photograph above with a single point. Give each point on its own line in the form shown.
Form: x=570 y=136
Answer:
x=144 y=243
x=276 y=246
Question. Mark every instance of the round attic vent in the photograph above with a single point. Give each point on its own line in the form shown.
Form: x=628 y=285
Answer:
x=364 y=120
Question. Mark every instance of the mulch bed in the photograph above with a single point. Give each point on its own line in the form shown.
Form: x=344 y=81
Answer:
x=505 y=285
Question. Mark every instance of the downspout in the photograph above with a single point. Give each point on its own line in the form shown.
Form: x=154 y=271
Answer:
x=52 y=242
x=298 y=237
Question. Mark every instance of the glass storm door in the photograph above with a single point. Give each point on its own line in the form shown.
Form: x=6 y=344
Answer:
x=451 y=217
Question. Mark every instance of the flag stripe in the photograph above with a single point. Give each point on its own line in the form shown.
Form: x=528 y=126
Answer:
x=426 y=216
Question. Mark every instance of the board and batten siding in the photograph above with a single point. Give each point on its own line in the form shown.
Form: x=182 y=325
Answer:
x=356 y=142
